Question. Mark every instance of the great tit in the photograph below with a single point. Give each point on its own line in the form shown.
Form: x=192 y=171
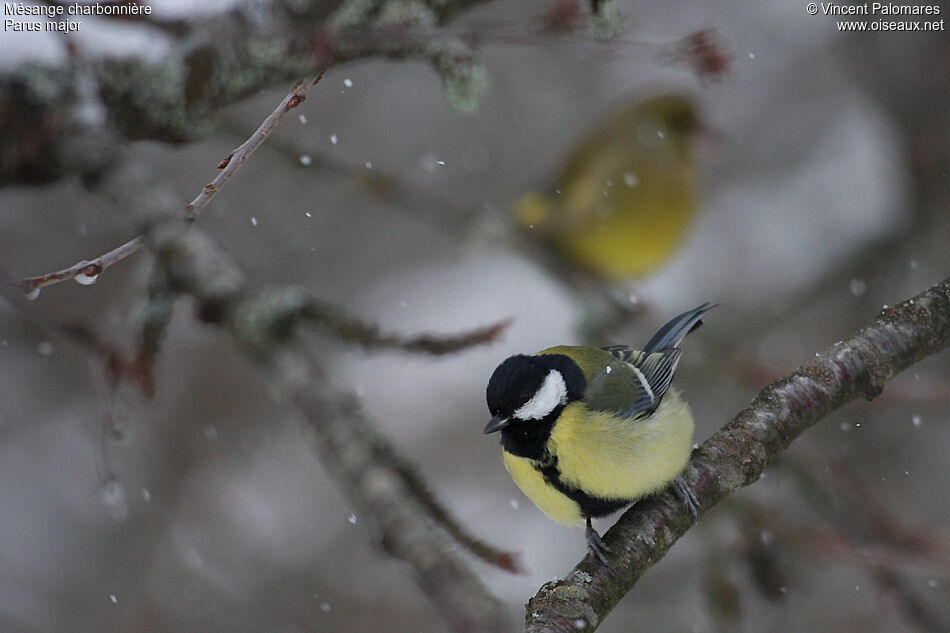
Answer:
x=626 y=194
x=587 y=431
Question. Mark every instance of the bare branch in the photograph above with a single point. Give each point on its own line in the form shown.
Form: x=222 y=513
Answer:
x=438 y=211
x=235 y=160
x=263 y=323
x=74 y=332
x=915 y=611
x=349 y=448
x=924 y=555
x=384 y=488
x=213 y=61
x=420 y=491
x=865 y=533
x=87 y=271
x=369 y=336
x=738 y=453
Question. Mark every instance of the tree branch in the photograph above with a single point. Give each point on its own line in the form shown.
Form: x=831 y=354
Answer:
x=230 y=165
x=351 y=451
x=370 y=337
x=925 y=555
x=263 y=322
x=385 y=489
x=738 y=453
x=212 y=62
x=51 y=138
x=87 y=272
x=75 y=332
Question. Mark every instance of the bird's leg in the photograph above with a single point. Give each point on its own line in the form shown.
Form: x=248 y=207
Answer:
x=684 y=492
x=596 y=545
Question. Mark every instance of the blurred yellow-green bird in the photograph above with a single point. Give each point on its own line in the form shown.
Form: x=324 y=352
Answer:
x=626 y=194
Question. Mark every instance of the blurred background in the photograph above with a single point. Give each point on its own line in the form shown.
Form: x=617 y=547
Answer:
x=821 y=181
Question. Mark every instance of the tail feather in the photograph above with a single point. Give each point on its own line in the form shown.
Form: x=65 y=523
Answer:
x=670 y=335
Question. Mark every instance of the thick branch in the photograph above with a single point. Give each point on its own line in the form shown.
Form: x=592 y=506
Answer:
x=212 y=62
x=738 y=453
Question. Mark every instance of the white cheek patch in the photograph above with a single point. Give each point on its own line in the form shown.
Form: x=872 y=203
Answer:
x=551 y=394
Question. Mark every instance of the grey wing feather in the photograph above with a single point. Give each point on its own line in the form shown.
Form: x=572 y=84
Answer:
x=656 y=370
x=613 y=389
x=635 y=384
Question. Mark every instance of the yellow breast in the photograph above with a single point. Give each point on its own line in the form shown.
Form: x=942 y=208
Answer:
x=608 y=457
x=551 y=502
x=615 y=458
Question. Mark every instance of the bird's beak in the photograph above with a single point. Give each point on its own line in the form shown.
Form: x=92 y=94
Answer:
x=497 y=423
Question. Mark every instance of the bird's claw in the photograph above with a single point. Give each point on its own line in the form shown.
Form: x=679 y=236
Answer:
x=596 y=545
x=684 y=492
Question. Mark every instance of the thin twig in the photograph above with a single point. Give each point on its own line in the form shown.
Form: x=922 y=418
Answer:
x=74 y=332
x=915 y=611
x=443 y=518
x=369 y=336
x=87 y=271
x=888 y=564
x=438 y=211
x=233 y=162
x=278 y=310
x=924 y=556
x=835 y=491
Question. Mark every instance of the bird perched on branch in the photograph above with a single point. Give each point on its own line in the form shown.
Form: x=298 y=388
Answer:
x=586 y=431
x=625 y=196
